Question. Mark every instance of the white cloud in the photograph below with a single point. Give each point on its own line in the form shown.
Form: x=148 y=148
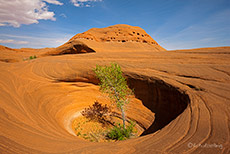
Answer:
x=83 y=3
x=61 y=41
x=6 y=41
x=10 y=41
x=15 y=12
x=213 y=31
x=53 y=2
x=1 y=24
x=63 y=15
x=45 y=40
x=21 y=42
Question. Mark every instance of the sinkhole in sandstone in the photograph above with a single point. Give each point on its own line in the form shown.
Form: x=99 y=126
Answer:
x=160 y=104
x=163 y=99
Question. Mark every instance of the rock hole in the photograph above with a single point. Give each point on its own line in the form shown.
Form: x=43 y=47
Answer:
x=163 y=99
x=166 y=101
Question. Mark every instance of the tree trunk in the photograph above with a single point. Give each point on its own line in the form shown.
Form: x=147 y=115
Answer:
x=123 y=116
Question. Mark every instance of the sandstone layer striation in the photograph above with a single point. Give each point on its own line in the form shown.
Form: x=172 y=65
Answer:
x=182 y=97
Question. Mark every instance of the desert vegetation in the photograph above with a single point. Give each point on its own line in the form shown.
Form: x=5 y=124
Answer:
x=99 y=123
x=30 y=58
x=105 y=125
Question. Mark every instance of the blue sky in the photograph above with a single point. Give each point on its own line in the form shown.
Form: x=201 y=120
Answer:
x=174 y=24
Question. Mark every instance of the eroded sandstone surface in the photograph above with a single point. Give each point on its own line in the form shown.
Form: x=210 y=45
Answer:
x=182 y=96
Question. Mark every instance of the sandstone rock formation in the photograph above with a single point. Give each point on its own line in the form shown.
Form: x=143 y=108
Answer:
x=117 y=38
x=185 y=92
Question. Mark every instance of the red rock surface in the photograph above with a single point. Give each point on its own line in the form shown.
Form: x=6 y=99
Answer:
x=186 y=91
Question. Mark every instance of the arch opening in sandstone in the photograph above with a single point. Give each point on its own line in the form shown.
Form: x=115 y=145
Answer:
x=72 y=49
x=80 y=49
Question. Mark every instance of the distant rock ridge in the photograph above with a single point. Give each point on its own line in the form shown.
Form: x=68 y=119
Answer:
x=5 y=48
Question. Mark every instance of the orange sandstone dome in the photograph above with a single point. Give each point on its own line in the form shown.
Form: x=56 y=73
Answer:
x=122 y=36
x=117 y=38
x=117 y=33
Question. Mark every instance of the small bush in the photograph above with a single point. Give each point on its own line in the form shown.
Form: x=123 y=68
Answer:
x=97 y=112
x=33 y=57
x=118 y=132
x=30 y=58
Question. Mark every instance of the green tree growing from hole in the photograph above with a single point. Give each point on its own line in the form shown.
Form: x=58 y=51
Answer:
x=114 y=84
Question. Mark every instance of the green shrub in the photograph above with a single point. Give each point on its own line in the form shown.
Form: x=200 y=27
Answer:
x=120 y=133
x=33 y=57
x=30 y=58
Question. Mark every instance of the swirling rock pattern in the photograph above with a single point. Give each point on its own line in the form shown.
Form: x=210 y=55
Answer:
x=187 y=90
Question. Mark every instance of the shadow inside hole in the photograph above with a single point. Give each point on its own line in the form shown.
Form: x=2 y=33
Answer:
x=166 y=101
